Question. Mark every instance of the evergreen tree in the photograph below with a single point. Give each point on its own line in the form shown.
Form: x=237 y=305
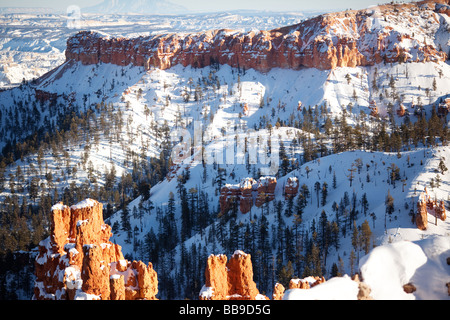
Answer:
x=389 y=206
x=366 y=235
x=286 y=274
x=324 y=193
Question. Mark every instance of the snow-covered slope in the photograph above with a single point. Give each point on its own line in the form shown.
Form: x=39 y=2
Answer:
x=387 y=268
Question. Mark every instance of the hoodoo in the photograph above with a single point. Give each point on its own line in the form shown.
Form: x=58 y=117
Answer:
x=77 y=261
x=232 y=280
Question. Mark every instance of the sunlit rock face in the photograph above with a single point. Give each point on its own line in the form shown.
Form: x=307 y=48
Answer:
x=77 y=260
x=344 y=39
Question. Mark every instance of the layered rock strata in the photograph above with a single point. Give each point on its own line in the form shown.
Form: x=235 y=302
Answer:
x=345 y=39
x=266 y=190
x=77 y=260
x=243 y=194
x=247 y=186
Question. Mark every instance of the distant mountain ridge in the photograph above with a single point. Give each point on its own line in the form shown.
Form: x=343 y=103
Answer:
x=136 y=7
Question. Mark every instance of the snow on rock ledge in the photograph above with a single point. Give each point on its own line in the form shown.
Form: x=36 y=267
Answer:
x=338 y=288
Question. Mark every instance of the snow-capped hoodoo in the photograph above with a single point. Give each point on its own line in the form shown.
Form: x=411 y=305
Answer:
x=77 y=261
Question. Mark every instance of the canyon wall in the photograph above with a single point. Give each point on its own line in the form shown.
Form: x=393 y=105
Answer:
x=344 y=39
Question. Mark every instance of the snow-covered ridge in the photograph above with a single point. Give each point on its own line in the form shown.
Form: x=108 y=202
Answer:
x=390 y=33
x=33 y=42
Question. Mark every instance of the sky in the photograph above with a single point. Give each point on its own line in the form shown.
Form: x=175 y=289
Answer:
x=208 y=5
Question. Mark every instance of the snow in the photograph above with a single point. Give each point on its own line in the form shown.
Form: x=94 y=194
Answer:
x=81 y=295
x=239 y=253
x=72 y=277
x=388 y=267
x=84 y=204
x=206 y=292
x=338 y=288
x=58 y=206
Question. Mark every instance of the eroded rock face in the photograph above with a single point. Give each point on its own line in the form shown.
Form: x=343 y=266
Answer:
x=229 y=197
x=422 y=215
x=429 y=205
x=306 y=283
x=246 y=198
x=278 y=291
x=232 y=280
x=77 y=260
x=266 y=190
x=291 y=188
x=345 y=39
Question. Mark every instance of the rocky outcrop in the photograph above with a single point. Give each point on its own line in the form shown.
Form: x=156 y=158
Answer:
x=440 y=211
x=401 y=110
x=291 y=188
x=244 y=193
x=43 y=96
x=229 y=196
x=266 y=190
x=306 y=283
x=278 y=291
x=77 y=260
x=422 y=214
x=246 y=187
x=427 y=205
x=232 y=280
x=344 y=39
x=364 y=289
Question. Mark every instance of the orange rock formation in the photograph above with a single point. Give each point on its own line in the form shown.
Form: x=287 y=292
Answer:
x=77 y=260
x=427 y=205
x=266 y=190
x=246 y=199
x=242 y=194
x=230 y=281
x=291 y=188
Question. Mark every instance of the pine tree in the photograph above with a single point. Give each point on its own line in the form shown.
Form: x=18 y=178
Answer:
x=442 y=167
x=351 y=174
x=389 y=206
x=286 y=274
x=364 y=204
x=324 y=193
x=355 y=238
x=352 y=262
x=317 y=189
x=334 y=180
x=366 y=235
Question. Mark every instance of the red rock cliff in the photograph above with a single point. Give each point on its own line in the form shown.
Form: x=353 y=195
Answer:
x=77 y=260
x=345 y=39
